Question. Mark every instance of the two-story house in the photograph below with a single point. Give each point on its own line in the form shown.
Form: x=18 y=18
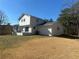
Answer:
x=29 y=25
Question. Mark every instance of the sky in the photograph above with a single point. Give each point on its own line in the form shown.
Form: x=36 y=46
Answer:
x=45 y=9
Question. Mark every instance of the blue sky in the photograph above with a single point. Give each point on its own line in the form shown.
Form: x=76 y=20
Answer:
x=40 y=8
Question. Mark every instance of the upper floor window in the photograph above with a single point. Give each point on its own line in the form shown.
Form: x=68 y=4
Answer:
x=23 y=20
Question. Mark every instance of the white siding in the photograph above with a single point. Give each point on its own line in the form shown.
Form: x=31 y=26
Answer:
x=30 y=29
x=51 y=30
x=45 y=31
x=26 y=22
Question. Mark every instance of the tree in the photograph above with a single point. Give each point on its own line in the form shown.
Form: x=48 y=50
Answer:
x=69 y=18
x=47 y=20
x=51 y=20
x=3 y=18
x=64 y=19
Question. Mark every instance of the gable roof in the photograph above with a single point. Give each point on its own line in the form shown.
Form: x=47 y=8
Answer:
x=29 y=15
x=22 y=16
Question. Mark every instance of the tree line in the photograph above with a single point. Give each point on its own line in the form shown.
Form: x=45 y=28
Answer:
x=69 y=18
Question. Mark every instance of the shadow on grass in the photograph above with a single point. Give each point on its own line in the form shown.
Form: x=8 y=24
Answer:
x=67 y=36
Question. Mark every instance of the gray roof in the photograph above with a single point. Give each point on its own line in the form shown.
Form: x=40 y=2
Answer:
x=49 y=23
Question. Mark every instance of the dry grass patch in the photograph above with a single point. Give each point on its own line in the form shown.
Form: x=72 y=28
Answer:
x=44 y=48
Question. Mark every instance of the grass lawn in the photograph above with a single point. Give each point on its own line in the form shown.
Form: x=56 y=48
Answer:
x=38 y=47
x=9 y=41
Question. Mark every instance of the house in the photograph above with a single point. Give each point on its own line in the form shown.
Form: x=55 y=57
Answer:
x=29 y=25
x=51 y=29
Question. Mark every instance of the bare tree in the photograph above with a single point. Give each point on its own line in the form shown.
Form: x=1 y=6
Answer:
x=3 y=18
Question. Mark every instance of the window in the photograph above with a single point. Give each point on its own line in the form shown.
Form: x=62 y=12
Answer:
x=33 y=27
x=23 y=20
x=26 y=28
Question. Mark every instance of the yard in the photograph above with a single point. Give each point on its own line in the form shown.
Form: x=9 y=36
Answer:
x=38 y=47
